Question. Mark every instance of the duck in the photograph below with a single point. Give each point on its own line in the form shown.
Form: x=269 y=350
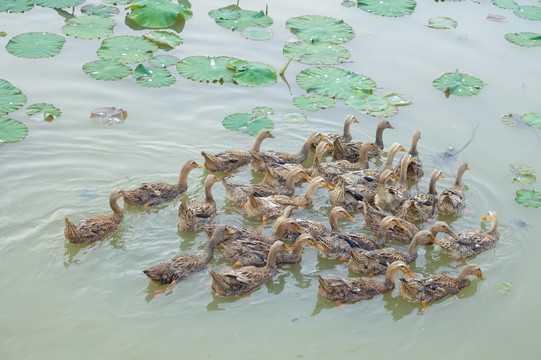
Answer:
x=182 y=266
x=415 y=168
x=421 y=207
x=315 y=228
x=473 y=242
x=452 y=200
x=303 y=241
x=248 y=278
x=349 y=197
x=346 y=134
x=434 y=287
x=443 y=227
x=347 y=290
x=404 y=231
x=231 y=160
x=377 y=261
x=98 y=226
x=156 y=193
x=391 y=198
x=191 y=217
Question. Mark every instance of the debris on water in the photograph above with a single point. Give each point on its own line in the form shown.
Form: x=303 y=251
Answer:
x=521 y=224
x=87 y=194
x=108 y=115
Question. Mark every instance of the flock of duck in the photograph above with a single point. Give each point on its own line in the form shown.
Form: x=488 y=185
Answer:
x=387 y=206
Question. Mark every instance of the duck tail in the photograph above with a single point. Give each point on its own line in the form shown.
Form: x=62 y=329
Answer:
x=69 y=230
x=211 y=161
x=158 y=275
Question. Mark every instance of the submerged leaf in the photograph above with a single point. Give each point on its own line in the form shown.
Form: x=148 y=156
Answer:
x=315 y=28
x=15 y=6
x=153 y=76
x=157 y=14
x=504 y=287
x=43 y=112
x=126 y=49
x=108 y=115
x=35 y=45
x=312 y=102
x=247 y=123
x=163 y=61
x=512 y=120
x=294 y=118
x=442 y=23
x=245 y=18
x=392 y=8
x=58 y=4
x=12 y=130
x=316 y=53
x=497 y=18
x=532 y=119
x=333 y=82
x=397 y=99
x=529 y=12
x=506 y=4
x=528 y=198
x=206 y=68
x=262 y=110
x=89 y=27
x=527 y=39
x=106 y=70
x=524 y=174
x=11 y=98
x=458 y=84
x=257 y=33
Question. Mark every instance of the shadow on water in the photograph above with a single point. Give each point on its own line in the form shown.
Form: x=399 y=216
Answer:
x=322 y=303
x=74 y=253
x=397 y=306
x=217 y=300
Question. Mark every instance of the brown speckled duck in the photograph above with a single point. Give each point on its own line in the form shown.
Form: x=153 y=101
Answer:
x=452 y=200
x=345 y=150
x=315 y=228
x=421 y=207
x=191 y=217
x=372 y=218
x=392 y=198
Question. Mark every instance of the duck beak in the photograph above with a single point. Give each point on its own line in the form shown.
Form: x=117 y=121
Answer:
x=318 y=246
x=323 y=137
x=484 y=217
x=307 y=177
x=410 y=274
x=480 y=275
x=468 y=168
x=197 y=166
x=328 y=186
x=442 y=176
x=453 y=235
x=230 y=231
x=350 y=218
x=330 y=148
x=378 y=149
x=287 y=248
x=218 y=179
x=271 y=136
x=402 y=149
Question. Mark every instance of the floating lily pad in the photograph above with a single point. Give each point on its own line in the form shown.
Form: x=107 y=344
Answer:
x=504 y=287
x=316 y=53
x=496 y=18
x=157 y=14
x=108 y=115
x=11 y=98
x=58 y=4
x=35 y=45
x=367 y=103
x=397 y=99
x=246 y=18
x=262 y=110
x=106 y=70
x=153 y=76
x=126 y=49
x=532 y=119
x=333 y=82
x=458 y=84
x=523 y=174
x=252 y=73
x=528 y=198
x=294 y=118
x=392 y=8
x=164 y=38
x=43 y=112
x=230 y=12
x=163 y=61
x=117 y=2
x=247 y=123
x=15 y=6
x=391 y=110
x=442 y=23
x=528 y=39
x=529 y=12
x=102 y=10
x=312 y=102
x=11 y=130
x=206 y=68
x=257 y=33
x=89 y=27
x=506 y=4
x=315 y=28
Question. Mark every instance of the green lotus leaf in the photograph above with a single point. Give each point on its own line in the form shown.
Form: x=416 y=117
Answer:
x=206 y=68
x=252 y=73
x=58 y=4
x=532 y=119
x=496 y=18
x=15 y=6
x=315 y=28
x=506 y=4
x=89 y=27
x=43 y=112
x=529 y=12
x=164 y=38
x=106 y=70
x=393 y=8
x=126 y=49
x=367 y=102
x=230 y=12
x=312 y=102
x=102 y=10
x=504 y=287
x=35 y=45
x=527 y=39
x=117 y=2
x=11 y=98
x=523 y=174
x=294 y=118
x=257 y=33
x=12 y=130
x=349 y=3
x=397 y=99
x=262 y=110
x=528 y=198
x=247 y=123
x=442 y=23
x=458 y=84
x=391 y=110
x=163 y=61
x=246 y=18
x=157 y=14
x=316 y=53
x=153 y=76
x=333 y=82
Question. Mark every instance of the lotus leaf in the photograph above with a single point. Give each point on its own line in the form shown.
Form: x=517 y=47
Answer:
x=163 y=61
x=391 y=110
x=506 y=4
x=157 y=14
x=126 y=49
x=35 y=45
x=528 y=39
x=496 y=18
x=532 y=119
x=458 y=84
x=349 y=3
x=58 y=4
x=316 y=53
x=11 y=130
x=333 y=82
x=294 y=118
x=101 y=9
x=108 y=115
x=43 y=111
x=11 y=97
x=89 y=27
x=164 y=38
x=106 y=70
x=257 y=33
x=247 y=123
x=206 y=68
x=367 y=103
x=523 y=174
x=442 y=23
x=529 y=12
x=397 y=99
x=15 y=6
x=246 y=18
x=230 y=12
x=392 y=8
x=312 y=102
x=262 y=110
x=153 y=76
x=528 y=198
x=252 y=73
x=504 y=287
x=117 y=2
x=315 y=28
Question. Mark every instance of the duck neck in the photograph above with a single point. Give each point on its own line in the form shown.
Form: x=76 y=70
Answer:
x=494 y=228
x=346 y=135
x=381 y=234
x=208 y=191
x=432 y=185
x=280 y=230
x=389 y=277
x=208 y=251
x=459 y=174
x=413 y=250
x=363 y=156
x=258 y=140
x=463 y=276
x=309 y=195
x=183 y=177
x=271 y=259
x=390 y=159
x=333 y=221
x=403 y=181
x=413 y=149
x=113 y=202
x=379 y=136
x=298 y=246
x=303 y=153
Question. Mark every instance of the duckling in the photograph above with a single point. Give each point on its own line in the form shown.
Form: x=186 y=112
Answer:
x=471 y=243
x=345 y=150
x=183 y=266
x=390 y=199
x=415 y=168
x=372 y=218
x=231 y=160
x=98 y=226
x=344 y=290
x=421 y=207
x=191 y=217
x=452 y=200
x=156 y=193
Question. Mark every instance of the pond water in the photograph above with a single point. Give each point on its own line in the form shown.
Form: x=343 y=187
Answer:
x=59 y=300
